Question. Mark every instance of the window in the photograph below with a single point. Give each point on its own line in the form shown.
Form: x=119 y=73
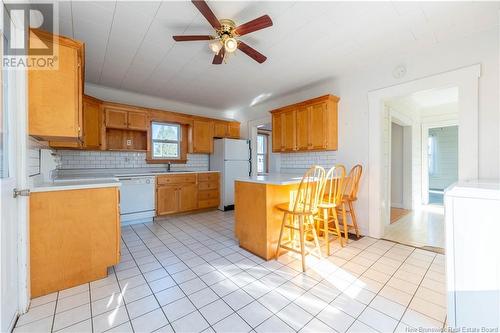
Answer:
x=431 y=154
x=165 y=141
x=262 y=153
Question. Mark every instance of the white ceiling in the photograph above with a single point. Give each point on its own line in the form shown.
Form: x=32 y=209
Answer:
x=129 y=44
x=435 y=97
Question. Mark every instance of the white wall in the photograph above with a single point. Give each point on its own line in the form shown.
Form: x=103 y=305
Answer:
x=133 y=98
x=397 y=156
x=446 y=171
x=420 y=61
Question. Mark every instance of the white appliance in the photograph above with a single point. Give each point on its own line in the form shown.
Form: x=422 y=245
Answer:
x=231 y=157
x=137 y=199
x=472 y=217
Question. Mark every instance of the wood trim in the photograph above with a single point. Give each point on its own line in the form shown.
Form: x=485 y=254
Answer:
x=183 y=145
x=315 y=100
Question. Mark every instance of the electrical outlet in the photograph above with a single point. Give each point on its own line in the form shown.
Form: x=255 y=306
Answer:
x=129 y=142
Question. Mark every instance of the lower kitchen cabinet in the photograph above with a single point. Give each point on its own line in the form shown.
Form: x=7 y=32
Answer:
x=188 y=197
x=167 y=199
x=68 y=245
x=177 y=193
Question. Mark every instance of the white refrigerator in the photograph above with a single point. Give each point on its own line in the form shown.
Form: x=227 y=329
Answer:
x=231 y=157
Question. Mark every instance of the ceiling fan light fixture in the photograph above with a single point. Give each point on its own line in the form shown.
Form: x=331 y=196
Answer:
x=230 y=44
x=215 y=46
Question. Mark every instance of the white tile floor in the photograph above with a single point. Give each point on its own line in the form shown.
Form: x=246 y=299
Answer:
x=187 y=274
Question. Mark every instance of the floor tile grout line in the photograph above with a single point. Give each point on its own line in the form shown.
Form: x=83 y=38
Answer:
x=186 y=296
x=333 y=300
x=293 y=301
x=124 y=305
x=147 y=283
x=413 y=296
x=254 y=299
x=221 y=298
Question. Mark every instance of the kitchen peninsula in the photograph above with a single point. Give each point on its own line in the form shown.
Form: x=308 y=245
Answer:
x=257 y=221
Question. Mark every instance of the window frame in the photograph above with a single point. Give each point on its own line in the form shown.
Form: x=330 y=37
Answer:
x=265 y=154
x=182 y=148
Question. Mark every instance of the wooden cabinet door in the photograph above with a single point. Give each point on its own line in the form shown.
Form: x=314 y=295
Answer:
x=302 y=128
x=233 y=130
x=137 y=120
x=116 y=118
x=167 y=199
x=92 y=121
x=202 y=136
x=277 y=133
x=188 y=197
x=220 y=129
x=289 y=131
x=317 y=126
x=55 y=95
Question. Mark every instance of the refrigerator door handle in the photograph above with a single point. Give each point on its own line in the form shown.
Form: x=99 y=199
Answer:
x=250 y=159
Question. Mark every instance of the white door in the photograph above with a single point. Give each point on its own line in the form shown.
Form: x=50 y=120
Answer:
x=9 y=208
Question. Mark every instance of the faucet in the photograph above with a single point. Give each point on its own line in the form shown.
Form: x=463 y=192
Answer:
x=168 y=166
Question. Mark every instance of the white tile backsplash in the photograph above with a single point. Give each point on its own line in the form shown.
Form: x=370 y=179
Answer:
x=305 y=160
x=75 y=159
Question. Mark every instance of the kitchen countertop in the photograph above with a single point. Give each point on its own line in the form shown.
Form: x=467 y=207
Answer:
x=97 y=174
x=273 y=179
x=65 y=185
x=75 y=181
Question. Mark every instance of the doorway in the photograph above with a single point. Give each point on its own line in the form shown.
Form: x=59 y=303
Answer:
x=422 y=149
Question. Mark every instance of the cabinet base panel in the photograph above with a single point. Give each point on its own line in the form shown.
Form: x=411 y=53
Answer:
x=46 y=287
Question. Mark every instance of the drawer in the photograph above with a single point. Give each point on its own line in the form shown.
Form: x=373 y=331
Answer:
x=176 y=179
x=208 y=177
x=208 y=186
x=208 y=203
x=208 y=194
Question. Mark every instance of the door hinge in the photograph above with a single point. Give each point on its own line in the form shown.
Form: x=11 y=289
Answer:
x=23 y=193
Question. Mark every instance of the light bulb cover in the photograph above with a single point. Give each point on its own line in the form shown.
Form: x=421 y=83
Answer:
x=215 y=46
x=230 y=44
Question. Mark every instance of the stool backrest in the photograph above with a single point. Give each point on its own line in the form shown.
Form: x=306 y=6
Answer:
x=352 y=184
x=308 y=194
x=334 y=185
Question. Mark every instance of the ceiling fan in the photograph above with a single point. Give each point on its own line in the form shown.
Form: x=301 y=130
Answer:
x=226 y=40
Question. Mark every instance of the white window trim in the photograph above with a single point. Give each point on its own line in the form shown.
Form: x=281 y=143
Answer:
x=178 y=141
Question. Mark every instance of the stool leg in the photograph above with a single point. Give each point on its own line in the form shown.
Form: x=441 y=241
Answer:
x=315 y=235
x=281 y=235
x=344 y=222
x=353 y=218
x=326 y=232
x=302 y=241
x=337 y=227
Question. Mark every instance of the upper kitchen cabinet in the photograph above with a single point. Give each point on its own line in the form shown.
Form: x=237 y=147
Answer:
x=55 y=94
x=226 y=129
x=120 y=117
x=307 y=126
x=201 y=136
x=233 y=128
x=92 y=127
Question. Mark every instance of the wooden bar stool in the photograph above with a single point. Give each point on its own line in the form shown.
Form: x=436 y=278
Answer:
x=327 y=219
x=349 y=197
x=299 y=215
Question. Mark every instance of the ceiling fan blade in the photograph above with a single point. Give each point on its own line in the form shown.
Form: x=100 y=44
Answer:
x=207 y=13
x=187 y=38
x=219 y=57
x=251 y=52
x=259 y=23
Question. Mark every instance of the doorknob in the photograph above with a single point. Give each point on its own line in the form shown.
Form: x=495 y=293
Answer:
x=23 y=193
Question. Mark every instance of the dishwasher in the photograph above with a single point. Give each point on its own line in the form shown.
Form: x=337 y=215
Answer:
x=137 y=199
